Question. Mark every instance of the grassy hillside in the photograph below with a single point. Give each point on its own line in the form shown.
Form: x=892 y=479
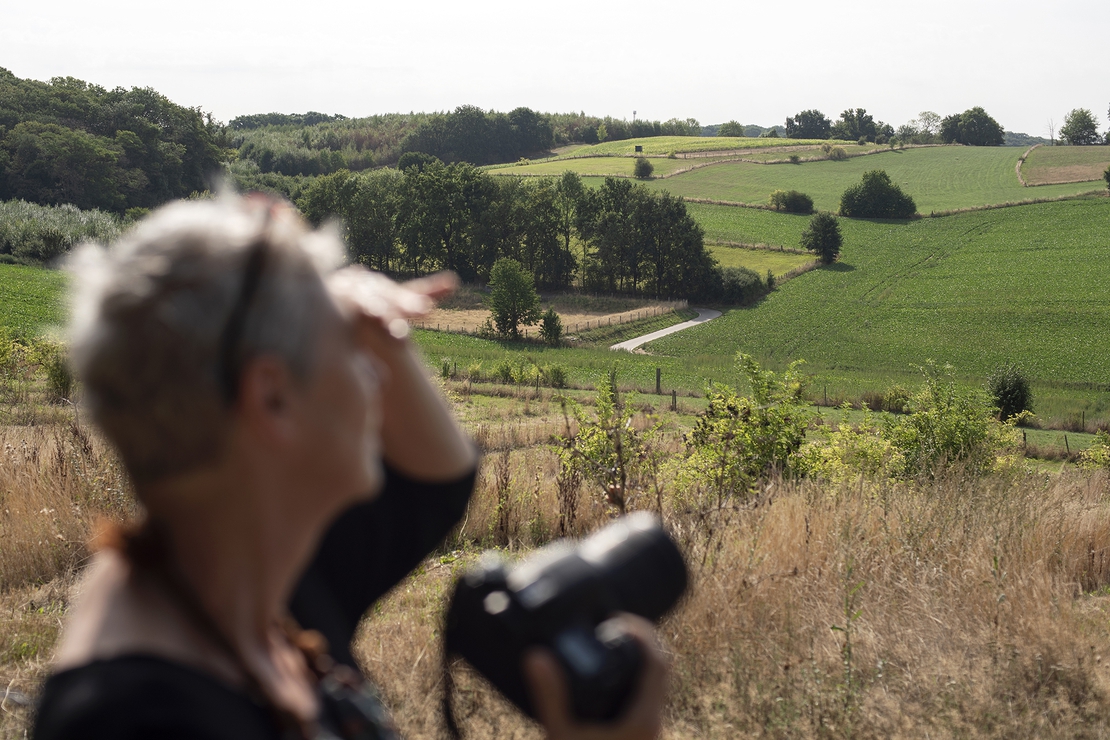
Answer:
x=30 y=298
x=975 y=289
x=1053 y=164
x=938 y=178
x=678 y=144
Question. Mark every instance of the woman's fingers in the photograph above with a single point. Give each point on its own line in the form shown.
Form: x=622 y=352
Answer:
x=642 y=720
x=437 y=287
x=548 y=690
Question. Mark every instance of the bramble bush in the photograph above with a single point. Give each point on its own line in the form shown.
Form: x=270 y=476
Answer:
x=643 y=168
x=1097 y=456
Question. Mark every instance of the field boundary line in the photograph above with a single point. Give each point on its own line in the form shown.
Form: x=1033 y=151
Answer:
x=760 y=246
x=1021 y=161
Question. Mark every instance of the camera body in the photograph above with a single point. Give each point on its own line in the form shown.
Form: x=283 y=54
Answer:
x=563 y=598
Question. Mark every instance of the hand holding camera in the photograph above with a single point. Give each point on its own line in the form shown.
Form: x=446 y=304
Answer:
x=556 y=613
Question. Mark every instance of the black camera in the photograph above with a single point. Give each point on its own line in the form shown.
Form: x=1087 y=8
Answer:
x=563 y=598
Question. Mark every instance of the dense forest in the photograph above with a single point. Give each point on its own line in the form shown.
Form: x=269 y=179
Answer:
x=66 y=141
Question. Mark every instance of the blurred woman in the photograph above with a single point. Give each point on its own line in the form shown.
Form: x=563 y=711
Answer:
x=294 y=463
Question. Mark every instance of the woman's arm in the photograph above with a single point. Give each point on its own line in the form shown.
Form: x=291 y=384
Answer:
x=419 y=434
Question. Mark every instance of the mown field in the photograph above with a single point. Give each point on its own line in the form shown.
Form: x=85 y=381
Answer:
x=1065 y=164
x=938 y=178
x=976 y=289
x=30 y=298
x=760 y=260
x=679 y=144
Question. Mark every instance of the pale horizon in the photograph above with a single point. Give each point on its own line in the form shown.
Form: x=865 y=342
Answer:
x=711 y=62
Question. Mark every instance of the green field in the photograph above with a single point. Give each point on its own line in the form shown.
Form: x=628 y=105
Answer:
x=974 y=289
x=679 y=144
x=30 y=298
x=755 y=226
x=598 y=167
x=1049 y=164
x=938 y=178
x=760 y=260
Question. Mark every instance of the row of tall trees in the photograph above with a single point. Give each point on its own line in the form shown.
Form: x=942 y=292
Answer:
x=974 y=127
x=66 y=141
x=620 y=237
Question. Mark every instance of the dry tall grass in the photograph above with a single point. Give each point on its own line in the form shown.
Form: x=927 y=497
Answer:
x=961 y=607
x=958 y=607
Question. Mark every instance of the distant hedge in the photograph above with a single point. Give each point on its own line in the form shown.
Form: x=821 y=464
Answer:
x=33 y=233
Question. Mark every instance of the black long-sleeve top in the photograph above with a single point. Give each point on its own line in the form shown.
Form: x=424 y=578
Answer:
x=370 y=548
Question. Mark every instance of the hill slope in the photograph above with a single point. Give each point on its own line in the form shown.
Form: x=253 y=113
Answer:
x=975 y=289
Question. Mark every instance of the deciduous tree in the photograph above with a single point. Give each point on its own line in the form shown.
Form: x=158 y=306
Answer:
x=513 y=297
x=822 y=237
x=1080 y=128
x=809 y=124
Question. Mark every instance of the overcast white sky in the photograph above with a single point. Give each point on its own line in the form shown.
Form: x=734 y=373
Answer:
x=756 y=61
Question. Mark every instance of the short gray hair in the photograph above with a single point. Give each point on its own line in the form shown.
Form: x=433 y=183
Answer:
x=150 y=314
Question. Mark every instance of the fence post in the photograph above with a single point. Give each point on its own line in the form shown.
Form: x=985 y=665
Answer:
x=658 y=379
x=1066 y=446
x=674 y=400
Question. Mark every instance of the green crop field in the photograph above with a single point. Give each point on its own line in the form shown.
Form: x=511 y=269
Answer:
x=679 y=144
x=1052 y=164
x=938 y=178
x=760 y=260
x=733 y=225
x=1027 y=284
x=30 y=298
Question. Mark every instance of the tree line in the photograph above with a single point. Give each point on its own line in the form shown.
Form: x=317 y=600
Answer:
x=974 y=127
x=617 y=238
x=66 y=141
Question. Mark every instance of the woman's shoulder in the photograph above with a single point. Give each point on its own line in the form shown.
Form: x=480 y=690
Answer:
x=138 y=696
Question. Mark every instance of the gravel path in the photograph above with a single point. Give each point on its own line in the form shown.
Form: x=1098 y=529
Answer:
x=704 y=314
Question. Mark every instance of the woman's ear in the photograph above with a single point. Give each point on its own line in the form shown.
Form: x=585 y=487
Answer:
x=266 y=398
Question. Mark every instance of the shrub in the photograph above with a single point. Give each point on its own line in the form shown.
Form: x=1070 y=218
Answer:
x=822 y=237
x=1106 y=175
x=1009 y=389
x=739 y=285
x=791 y=201
x=862 y=141
x=876 y=196
x=738 y=440
x=946 y=426
x=504 y=371
x=643 y=168
x=474 y=371
x=847 y=451
x=770 y=280
x=555 y=376
x=795 y=159
x=551 y=327
x=1097 y=456
x=837 y=154
x=34 y=233
x=896 y=399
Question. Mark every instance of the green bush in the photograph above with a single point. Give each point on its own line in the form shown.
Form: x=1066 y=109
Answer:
x=555 y=376
x=513 y=298
x=503 y=371
x=1097 y=456
x=740 y=285
x=837 y=154
x=1010 y=391
x=947 y=426
x=795 y=159
x=1106 y=175
x=34 y=233
x=791 y=201
x=551 y=327
x=738 y=440
x=822 y=237
x=896 y=399
x=876 y=196
x=643 y=168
